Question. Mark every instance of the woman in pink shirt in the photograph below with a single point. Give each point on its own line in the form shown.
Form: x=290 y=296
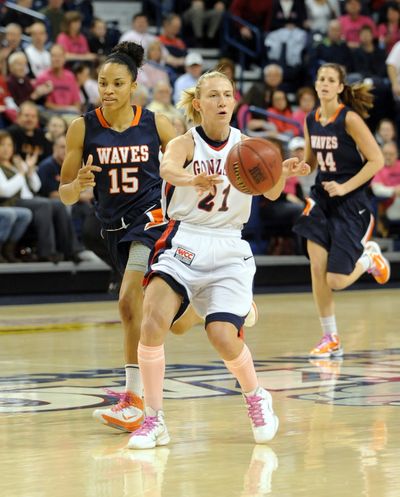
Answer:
x=74 y=42
x=386 y=184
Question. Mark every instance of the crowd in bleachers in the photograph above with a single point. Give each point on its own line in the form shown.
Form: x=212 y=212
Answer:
x=48 y=64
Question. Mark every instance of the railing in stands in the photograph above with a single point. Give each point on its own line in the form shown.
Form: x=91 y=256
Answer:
x=29 y=12
x=252 y=109
x=230 y=39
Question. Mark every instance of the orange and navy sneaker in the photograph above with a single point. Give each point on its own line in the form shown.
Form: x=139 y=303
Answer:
x=126 y=415
x=328 y=346
x=380 y=266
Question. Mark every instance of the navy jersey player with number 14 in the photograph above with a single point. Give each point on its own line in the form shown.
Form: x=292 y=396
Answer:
x=337 y=221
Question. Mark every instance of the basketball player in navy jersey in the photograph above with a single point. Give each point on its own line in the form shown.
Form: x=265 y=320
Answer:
x=337 y=221
x=119 y=145
x=202 y=258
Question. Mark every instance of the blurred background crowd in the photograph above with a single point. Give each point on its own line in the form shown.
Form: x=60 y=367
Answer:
x=50 y=51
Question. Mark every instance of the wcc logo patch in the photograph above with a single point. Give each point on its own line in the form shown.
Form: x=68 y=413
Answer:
x=184 y=255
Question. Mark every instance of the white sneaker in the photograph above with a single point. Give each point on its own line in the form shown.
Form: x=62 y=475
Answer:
x=126 y=415
x=252 y=316
x=263 y=420
x=152 y=433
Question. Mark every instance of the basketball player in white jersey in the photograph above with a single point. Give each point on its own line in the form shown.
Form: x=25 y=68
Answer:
x=201 y=257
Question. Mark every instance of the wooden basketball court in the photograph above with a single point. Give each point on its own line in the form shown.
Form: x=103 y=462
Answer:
x=339 y=429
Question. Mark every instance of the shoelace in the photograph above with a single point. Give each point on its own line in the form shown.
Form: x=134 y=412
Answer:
x=123 y=402
x=148 y=425
x=325 y=340
x=255 y=410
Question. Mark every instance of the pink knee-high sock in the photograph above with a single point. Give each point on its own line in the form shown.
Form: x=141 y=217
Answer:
x=243 y=370
x=152 y=368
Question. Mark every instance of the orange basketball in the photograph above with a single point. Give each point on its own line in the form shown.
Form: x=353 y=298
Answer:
x=254 y=166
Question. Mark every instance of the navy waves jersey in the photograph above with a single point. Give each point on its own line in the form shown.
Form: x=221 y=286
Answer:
x=335 y=150
x=129 y=183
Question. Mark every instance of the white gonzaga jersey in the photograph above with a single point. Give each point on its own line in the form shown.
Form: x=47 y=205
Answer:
x=226 y=207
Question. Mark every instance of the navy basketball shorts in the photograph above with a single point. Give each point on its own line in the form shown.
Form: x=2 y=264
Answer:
x=342 y=225
x=127 y=247
x=213 y=268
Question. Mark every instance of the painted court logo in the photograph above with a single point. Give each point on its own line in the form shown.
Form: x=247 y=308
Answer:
x=367 y=378
x=184 y=255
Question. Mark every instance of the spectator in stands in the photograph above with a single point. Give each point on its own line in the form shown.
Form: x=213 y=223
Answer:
x=140 y=96
x=319 y=13
x=203 y=17
x=389 y=27
x=386 y=186
x=139 y=33
x=49 y=171
x=162 y=100
x=73 y=41
x=20 y=85
x=369 y=59
x=180 y=124
x=259 y=95
x=254 y=12
x=11 y=43
x=99 y=42
x=193 y=68
x=306 y=98
x=20 y=18
x=18 y=183
x=56 y=126
x=88 y=87
x=36 y=52
x=154 y=70
x=27 y=136
x=8 y=108
x=286 y=46
x=284 y=12
x=296 y=149
x=369 y=63
x=352 y=22
x=330 y=49
x=385 y=132
x=281 y=108
x=55 y=15
x=64 y=98
x=176 y=47
x=13 y=224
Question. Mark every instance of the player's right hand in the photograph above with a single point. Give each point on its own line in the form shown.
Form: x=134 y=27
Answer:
x=204 y=182
x=86 y=175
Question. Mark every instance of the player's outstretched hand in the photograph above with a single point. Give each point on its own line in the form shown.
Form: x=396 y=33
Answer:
x=295 y=167
x=86 y=177
x=204 y=182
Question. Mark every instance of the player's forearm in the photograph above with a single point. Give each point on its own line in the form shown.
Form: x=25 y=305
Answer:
x=275 y=192
x=175 y=175
x=69 y=193
x=364 y=175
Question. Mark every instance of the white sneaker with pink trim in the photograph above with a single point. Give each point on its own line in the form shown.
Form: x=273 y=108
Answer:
x=263 y=420
x=152 y=433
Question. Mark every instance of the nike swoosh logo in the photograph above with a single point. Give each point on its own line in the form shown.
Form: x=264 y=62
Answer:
x=247 y=258
x=127 y=418
x=361 y=211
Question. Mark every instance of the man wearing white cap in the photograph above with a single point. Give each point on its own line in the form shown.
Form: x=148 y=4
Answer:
x=193 y=70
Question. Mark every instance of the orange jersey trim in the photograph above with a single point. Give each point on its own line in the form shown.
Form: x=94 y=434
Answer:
x=332 y=118
x=135 y=120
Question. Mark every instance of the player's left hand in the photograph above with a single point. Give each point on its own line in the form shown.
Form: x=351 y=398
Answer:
x=334 y=189
x=295 y=167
